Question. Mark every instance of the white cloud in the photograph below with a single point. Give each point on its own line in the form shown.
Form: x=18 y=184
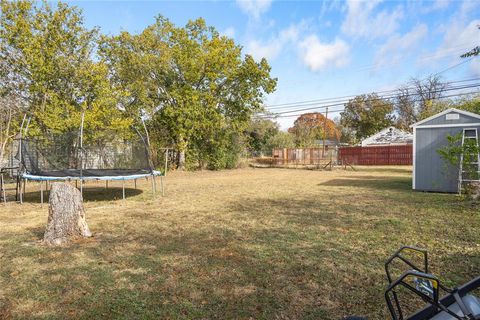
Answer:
x=440 y=4
x=229 y=32
x=317 y=55
x=259 y=50
x=459 y=35
x=271 y=49
x=254 y=8
x=362 y=21
x=329 y=6
x=475 y=67
x=468 y=7
x=399 y=46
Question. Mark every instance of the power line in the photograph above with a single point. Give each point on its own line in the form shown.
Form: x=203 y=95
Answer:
x=386 y=97
x=454 y=66
x=343 y=108
x=334 y=99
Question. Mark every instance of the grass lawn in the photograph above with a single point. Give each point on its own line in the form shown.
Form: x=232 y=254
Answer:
x=249 y=243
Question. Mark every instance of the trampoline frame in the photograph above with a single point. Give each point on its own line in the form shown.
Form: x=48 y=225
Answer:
x=26 y=176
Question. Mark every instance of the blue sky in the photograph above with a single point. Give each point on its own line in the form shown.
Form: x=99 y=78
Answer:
x=324 y=49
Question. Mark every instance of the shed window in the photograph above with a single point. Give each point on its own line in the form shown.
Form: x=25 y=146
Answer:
x=452 y=116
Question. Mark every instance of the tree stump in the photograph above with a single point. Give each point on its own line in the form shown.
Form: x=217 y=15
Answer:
x=66 y=215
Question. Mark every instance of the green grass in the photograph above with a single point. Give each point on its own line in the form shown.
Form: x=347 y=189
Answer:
x=251 y=243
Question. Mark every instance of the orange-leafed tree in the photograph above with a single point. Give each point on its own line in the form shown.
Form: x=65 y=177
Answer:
x=310 y=127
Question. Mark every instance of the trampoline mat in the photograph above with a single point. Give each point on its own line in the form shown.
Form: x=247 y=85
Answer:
x=91 y=174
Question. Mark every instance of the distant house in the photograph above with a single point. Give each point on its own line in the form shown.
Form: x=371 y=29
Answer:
x=388 y=136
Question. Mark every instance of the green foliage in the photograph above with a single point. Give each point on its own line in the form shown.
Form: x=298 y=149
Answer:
x=191 y=81
x=474 y=52
x=453 y=151
x=470 y=104
x=260 y=134
x=54 y=70
x=222 y=152
x=281 y=139
x=366 y=115
x=265 y=135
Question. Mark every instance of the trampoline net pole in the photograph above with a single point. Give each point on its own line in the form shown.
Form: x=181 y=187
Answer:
x=41 y=192
x=3 y=189
x=81 y=152
x=163 y=188
x=153 y=185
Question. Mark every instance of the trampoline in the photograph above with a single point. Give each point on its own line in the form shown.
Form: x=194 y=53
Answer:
x=91 y=174
x=109 y=156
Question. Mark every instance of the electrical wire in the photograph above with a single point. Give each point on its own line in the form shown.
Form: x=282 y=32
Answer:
x=327 y=100
x=342 y=102
x=274 y=116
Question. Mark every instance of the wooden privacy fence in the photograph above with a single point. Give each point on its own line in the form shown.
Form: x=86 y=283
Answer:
x=378 y=155
x=303 y=156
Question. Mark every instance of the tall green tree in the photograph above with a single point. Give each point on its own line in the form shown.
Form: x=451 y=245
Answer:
x=53 y=68
x=366 y=115
x=189 y=80
x=281 y=139
x=260 y=132
x=471 y=104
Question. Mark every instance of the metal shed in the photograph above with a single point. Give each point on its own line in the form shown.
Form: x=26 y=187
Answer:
x=430 y=172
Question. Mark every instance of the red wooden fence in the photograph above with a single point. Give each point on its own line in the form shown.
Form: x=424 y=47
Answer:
x=380 y=155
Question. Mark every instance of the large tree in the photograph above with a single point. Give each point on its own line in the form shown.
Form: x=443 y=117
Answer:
x=428 y=92
x=52 y=68
x=308 y=128
x=418 y=100
x=366 y=115
x=405 y=108
x=190 y=81
x=260 y=132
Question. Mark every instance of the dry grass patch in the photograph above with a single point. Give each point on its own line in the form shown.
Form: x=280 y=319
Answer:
x=250 y=243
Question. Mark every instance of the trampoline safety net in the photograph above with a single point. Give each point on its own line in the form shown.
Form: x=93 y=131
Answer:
x=61 y=156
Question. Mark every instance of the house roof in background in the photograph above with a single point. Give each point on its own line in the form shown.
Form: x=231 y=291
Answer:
x=390 y=135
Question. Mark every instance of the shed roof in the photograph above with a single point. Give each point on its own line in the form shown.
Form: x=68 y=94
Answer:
x=390 y=135
x=435 y=116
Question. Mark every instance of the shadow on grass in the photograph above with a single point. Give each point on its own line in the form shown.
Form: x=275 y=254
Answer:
x=385 y=169
x=372 y=182
x=89 y=194
x=207 y=274
x=308 y=268
x=38 y=232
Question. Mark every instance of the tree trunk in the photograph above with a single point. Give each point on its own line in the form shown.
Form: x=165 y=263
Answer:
x=182 y=147
x=66 y=215
x=181 y=160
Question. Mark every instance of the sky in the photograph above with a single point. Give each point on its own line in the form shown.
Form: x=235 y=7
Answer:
x=324 y=49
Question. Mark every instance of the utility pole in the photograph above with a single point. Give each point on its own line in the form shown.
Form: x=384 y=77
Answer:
x=324 y=131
